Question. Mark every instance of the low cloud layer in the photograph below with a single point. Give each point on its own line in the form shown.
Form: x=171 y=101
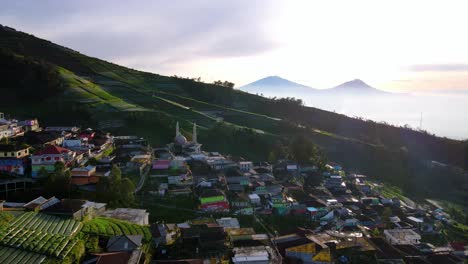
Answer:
x=456 y=67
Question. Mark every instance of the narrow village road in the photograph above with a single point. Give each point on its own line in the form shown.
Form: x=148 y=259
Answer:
x=276 y=256
x=141 y=183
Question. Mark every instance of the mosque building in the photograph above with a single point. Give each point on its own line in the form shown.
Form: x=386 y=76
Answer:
x=182 y=146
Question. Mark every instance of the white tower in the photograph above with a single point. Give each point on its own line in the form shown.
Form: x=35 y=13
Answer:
x=177 y=132
x=194 y=134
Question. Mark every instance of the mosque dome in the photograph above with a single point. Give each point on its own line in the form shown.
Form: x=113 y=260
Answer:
x=180 y=140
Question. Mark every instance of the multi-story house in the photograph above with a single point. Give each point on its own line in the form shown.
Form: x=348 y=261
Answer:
x=47 y=157
x=13 y=158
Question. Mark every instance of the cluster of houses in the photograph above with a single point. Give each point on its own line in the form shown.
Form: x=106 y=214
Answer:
x=341 y=227
x=343 y=213
x=32 y=152
x=12 y=127
x=221 y=240
x=346 y=218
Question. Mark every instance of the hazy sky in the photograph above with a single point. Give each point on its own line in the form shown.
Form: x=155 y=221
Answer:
x=393 y=45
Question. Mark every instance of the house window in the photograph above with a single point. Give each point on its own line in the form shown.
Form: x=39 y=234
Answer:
x=48 y=158
x=56 y=158
x=12 y=154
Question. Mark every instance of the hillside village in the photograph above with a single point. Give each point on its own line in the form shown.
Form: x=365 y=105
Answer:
x=82 y=195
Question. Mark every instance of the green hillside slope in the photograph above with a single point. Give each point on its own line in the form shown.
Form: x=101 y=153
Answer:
x=43 y=79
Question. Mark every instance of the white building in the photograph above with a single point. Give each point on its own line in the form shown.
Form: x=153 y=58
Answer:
x=220 y=163
x=251 y=255
x=402 y=236
x=254 y=199
x=245 y=166
x=136 y=216
x=228 y=222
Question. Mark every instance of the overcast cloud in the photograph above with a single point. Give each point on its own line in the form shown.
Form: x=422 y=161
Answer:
x=166 y=31
x=440 y=67
x=323 y=42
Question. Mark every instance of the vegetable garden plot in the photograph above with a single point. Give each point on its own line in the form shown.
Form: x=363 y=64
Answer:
x=12 y=255
x=38 y=233
x=111 y=227
x=44 y=223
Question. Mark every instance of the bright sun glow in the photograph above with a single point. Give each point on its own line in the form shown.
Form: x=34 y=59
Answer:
x=323 y=43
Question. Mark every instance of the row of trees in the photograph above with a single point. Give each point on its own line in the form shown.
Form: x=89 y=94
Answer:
x=224 y=83
x=301 y=150
x=199 y=79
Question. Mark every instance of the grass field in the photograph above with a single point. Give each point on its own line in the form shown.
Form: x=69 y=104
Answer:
x=389 y=191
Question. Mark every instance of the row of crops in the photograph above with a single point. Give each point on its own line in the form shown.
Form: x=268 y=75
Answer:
x=46 y=224
x=40 y=233
x=12 y=255
x=55 y=245
x=111 y=227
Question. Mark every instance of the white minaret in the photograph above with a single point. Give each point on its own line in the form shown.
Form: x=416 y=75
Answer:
x=194 y=134
x=177 y=132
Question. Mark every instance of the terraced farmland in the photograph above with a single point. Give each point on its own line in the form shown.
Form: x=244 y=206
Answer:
x=111 y=227
x=41 y=234
x=12 y=255
x=44 y=223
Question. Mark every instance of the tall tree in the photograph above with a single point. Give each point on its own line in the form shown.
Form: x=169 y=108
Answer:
x=303 y=150
x=116 y=174
x=59 y=168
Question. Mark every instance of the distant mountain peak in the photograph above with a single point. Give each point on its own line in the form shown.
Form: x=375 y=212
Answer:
x=275 y=81
x=356 y=86
x=355 y=83
x=276 y=85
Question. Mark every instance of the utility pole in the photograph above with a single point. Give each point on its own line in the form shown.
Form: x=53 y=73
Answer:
x=420 y=121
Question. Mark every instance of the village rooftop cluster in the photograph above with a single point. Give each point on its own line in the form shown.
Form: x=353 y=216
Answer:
x=238 y=211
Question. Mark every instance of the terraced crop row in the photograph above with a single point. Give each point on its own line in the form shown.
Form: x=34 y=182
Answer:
x=112 y=227
x=40 y=233
x=12 y=255
x=45 y=223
